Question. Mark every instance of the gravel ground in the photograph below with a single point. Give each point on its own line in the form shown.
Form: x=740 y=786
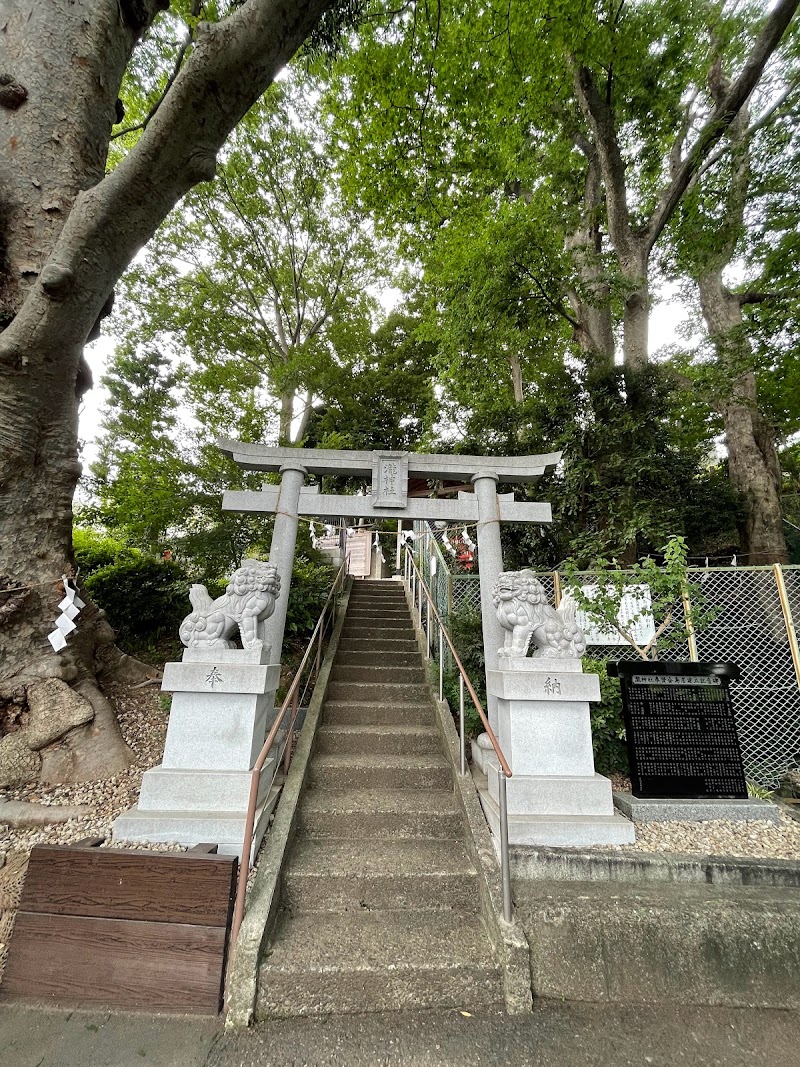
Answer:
x=715 y=837
x=143 y=720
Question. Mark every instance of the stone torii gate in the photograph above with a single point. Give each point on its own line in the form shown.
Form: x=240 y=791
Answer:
x=389 y=499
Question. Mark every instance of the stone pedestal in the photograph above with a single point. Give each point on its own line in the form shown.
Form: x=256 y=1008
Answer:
x=554 y=795
x=222 y=706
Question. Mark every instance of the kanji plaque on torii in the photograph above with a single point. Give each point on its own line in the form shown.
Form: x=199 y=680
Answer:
x=389 y=498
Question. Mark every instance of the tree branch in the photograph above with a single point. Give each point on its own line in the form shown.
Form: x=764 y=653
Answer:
x=179 y=58
x=754 y=296
x=723 y=115
x=600 y=117
x=231 y=65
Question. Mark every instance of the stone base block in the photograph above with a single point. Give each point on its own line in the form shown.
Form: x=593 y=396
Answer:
x=552 y=794
x=546 y=664
x=642 y=809
x=221 y=677
x=164 y=789
x=215 y=731
x=482 y=749
x=543 y=737
x=202 y=654
x=573 y=831
x=225 y=829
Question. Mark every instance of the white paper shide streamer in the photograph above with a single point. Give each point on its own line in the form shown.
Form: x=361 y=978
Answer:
x=70 y=608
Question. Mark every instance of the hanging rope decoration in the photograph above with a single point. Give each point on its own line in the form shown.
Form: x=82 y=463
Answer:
x=447 y=544
x=70 y=608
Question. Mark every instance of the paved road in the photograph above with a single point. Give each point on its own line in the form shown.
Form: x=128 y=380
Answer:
x=567 y=1035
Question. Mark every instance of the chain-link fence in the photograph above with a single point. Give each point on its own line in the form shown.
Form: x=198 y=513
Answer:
x=751 y=627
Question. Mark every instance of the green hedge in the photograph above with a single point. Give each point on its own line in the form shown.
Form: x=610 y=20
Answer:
x=141 y=597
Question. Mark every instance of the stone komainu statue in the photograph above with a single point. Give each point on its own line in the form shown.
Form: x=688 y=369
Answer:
x=248 y=601
x=523 y=612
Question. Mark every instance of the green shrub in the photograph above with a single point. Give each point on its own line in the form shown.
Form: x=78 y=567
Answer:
x=608 y=725
x=94 y=550
x=142 y=597
x=467 y=634
x=472 y=720
x=311 y=583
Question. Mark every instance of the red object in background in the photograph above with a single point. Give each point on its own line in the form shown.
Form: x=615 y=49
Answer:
x=168 y=555
x=465 y=558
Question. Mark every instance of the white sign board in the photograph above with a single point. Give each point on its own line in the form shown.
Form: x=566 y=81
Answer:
x=635 y=602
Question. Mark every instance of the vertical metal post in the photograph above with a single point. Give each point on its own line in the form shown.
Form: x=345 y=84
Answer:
x=419 y=590
x=690 y=634
x=287 y=750
x=399 y=546
x=791 y=634
x=461 y=723
x=505 y=864
x=441 y=665
x=427 y=627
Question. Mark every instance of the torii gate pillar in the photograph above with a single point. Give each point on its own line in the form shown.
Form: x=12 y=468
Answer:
x=282 y=546
x=490 y=555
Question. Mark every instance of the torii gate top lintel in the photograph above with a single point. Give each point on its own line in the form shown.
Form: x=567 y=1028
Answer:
x=327 y=461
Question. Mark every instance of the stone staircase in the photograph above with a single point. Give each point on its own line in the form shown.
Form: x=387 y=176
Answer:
x=379 y=902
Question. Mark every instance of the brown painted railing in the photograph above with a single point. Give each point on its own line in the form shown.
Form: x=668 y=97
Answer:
x=289 y=708
x=417 y=588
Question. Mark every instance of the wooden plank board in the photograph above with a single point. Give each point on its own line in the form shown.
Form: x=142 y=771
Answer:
x=73 y=960
x=160 y=887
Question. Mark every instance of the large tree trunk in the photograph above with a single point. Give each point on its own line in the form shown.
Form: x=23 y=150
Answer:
x=68 y=69
x=753 y=465
x=66 y=234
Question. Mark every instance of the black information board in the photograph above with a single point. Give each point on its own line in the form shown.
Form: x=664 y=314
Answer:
x=681 y=733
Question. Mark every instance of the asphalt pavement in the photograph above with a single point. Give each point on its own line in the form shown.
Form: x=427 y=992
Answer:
x=567 y=1035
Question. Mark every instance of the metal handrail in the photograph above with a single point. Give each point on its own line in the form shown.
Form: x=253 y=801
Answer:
x=290 y=703
x=416 y=585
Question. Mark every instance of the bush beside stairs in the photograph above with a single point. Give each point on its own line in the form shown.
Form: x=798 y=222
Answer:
x=379 y=902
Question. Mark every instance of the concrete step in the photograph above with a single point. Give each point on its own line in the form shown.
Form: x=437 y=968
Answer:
x=379 y=609
x=378 y=588
x=377 y=629
x=374 y=603
x=377 y=658
x=361 y=642
x=374 y=740
x=385 y=658
x=391 y=961
x=381 y=617
x=382 y=693
x=419 y=875
x=373 y=712
x=380 y=772
x=389 y=814
x=388 y=672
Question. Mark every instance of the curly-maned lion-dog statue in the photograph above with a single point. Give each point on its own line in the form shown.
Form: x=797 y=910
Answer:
x=523 y=612
x=247 y=602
